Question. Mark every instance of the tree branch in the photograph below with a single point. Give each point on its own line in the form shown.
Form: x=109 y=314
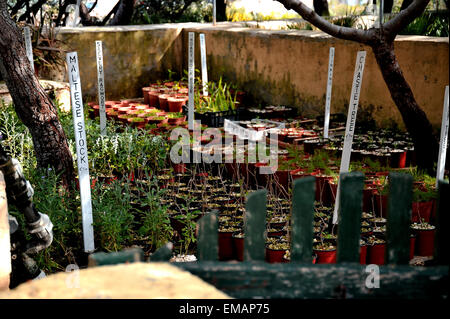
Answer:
x=309 y=15
x=405 y=17
x=124 y=13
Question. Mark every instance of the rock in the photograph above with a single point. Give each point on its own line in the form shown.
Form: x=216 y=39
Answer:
x=124 y=281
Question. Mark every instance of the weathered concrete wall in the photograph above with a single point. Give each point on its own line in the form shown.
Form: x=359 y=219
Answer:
x=274 y=67
x=132 y=56
x=290 y=68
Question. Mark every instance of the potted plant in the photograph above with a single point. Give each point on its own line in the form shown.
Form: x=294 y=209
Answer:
x=376 y=250
x=423 y=200
x=425 y=238
x=225 y=238
x=175 y=118
x=326 y=253
x=275 y=251
x=175 y=104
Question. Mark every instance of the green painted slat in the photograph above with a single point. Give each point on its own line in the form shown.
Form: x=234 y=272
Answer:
x=207 y=246
x=255 y=224
x=292 y=280
x=399 y=218
x=303 y=195
x=442 y=239
x=349 y=220
x=125 y=256
x=164 y=253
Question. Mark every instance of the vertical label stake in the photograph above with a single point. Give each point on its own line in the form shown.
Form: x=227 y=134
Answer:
x=443 y=140
x=82 y=154
x=191 y=71
x=351 y=123
x=204 y=68
x=328 y=96
x=101 y=86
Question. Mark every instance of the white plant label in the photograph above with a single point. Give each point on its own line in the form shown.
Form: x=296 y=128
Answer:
x=81 y=146
x=326 y=124
x=28 y=46
x=443 y=140
x=191 y=70
x=214 y=12
x=351 y=123
x=204 y=68
x=101 y=86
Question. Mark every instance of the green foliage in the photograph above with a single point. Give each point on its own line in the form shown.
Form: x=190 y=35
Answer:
x=169 y=11
x=219 y=99
x=156 y=228
x=434 y=24
x=112 y=215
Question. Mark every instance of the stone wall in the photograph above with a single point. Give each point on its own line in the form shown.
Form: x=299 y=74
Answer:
x=273 y=67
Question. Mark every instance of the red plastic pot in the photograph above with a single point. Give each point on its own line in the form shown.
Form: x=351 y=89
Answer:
x=163 y=103
x=421 y=210
x=179 y=168
x=412 y=246
x=239 y=247
x=145 y=91
x=325 y=256
x=425 y=242
x=153 y=98
x=375 y=254
x=175 y=104
x=226 y=251
x=363 y=254
x=274 y=255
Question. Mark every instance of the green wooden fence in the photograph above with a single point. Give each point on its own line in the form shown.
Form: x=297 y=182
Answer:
x=254 y=278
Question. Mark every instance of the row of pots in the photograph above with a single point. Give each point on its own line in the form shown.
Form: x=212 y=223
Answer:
x=138 y=114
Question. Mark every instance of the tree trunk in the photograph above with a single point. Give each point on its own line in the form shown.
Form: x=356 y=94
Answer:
x=416 y=121
x=124 y=13
x=321 y=7
x=33 y=106
x=405 y=4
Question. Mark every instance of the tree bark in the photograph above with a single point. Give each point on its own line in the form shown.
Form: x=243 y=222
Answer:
x=321 y=7
x=34 y=108
x=124 y=13
x=405 y=4
x=415 y=119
